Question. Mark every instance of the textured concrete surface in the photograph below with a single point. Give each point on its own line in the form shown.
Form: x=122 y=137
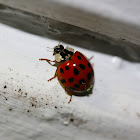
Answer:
x=32 y=108
x=116 y=19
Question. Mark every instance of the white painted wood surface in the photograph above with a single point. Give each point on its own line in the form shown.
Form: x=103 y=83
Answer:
x=32 y=108
x=117 y=19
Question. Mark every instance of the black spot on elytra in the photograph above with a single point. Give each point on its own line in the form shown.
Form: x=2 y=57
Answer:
x=89 y=65
x=80 y=54
x=71 y=88
x=61 y=70
x=71 y=79
x=92 y=73
x=63 y=81
x=76 y=71
x=82 y=81
x=79 y=57
x=89 y=76
x=76 y=86
x=82 y=66
x=66 y=68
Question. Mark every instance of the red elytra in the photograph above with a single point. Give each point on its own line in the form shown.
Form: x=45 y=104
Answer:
x=76 y=74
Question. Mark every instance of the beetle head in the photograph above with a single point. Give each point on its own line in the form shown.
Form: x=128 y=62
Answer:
x=58 y=49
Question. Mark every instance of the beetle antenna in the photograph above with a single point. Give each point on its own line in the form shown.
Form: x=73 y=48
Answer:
x=49 y=51
x=50 y=48
x=58 y=43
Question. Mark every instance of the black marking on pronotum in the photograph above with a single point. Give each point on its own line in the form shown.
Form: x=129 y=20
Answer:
x=63 y=54
x=66 y=54
x=76 y=71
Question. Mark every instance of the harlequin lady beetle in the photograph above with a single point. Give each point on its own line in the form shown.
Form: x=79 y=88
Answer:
x=74 y=71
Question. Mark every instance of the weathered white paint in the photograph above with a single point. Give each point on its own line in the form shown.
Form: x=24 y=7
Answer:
x=32 y=108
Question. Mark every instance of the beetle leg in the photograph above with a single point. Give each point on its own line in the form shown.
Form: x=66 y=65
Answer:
x=68 y=94
x=48 y=61
x=91 y=86
x=70 y=98
x=53 y=77
x=90 y=58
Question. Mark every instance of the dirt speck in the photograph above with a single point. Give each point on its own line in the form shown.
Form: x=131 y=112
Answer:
x=10 y=69
x=33 y=105
x=56 y=107
x=25 y=95
x=10 y=109
x=33 y=101
x=28 y=111
x=19 y=90
x=5 y=86
x=71 y=119
x=76 y=121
